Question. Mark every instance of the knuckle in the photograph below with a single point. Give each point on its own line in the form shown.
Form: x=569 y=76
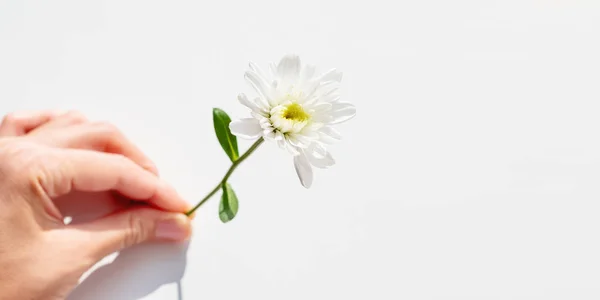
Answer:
x=109 y=129
x=75 y=116
x=106 y=126
x=11 y=119
x=23 y=166
x=119 y=161
x=16 y=157
x=34 y=172
x=136 y=230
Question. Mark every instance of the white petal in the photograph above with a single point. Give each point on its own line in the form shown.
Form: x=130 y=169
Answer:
x=269 y=134
x=320 y=162
x=317 y=149
x=281 y=143
x=278 y=135
x=251 y=105
x=298 y=126
x=331 y=132
x=257 y=116
x=332 y=74
x=299 y=140
x=304 y=170
x=308 y=100
x=258 y=71
x=331 y=98
x=264 y=106
x=334 y=98
x=293 y=150
x=321 y=107
x=293 y=141
x=273 y=69
x=307 y=73
x=282 y=124
x=247 y=128
x=325 y=139
x=265 y=123
x=276 y=93
x=328 y=87
x=313 y=126
x=341 y=105
x=312 y=135
x=260 y=86
x=277 y=110
x=323 y=118
x=341 y=116
x=342 y=112
x=310 y=89
x=335 y=90
x=288 y=68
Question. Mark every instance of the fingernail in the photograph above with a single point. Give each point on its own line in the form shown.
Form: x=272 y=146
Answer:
x=177 y=228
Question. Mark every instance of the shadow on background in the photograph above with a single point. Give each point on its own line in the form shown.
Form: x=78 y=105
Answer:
x=135 y=273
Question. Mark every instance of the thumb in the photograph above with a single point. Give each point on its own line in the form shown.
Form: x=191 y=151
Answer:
x=131 y=227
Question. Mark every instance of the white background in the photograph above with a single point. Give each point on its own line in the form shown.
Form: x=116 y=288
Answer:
x=470 y=172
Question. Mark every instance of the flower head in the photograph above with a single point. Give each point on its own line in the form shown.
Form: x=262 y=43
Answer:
x=296 y=109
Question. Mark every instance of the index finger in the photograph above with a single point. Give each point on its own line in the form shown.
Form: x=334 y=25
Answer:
x=103 y=137
x=17 y=124
x=92 y=171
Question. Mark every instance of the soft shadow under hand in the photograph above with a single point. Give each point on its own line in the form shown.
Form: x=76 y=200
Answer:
x=135 y=273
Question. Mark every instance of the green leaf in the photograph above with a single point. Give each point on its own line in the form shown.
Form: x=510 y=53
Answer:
x=229 y=204
x=227 y=140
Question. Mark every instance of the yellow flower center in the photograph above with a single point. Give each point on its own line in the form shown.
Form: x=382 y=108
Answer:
x=295 y=112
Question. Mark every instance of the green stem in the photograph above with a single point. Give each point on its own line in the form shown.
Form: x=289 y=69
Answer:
x=229 y=172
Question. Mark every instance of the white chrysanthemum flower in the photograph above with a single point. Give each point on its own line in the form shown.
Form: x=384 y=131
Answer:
x=297 y=109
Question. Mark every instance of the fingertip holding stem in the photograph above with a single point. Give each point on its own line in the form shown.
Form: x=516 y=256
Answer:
x=176 y=228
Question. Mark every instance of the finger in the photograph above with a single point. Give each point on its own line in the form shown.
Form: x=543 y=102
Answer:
x=63 y=120
x=127 y=228
x=17 y=124
x=84 y=207
x=91 y=171
x=103 y=137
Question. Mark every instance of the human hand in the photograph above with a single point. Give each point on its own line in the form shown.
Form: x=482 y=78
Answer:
x=54 y=164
